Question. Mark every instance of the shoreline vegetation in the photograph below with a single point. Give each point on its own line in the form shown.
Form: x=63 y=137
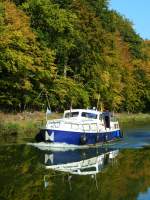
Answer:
x=27 y=124
x=133 y=117
x=22 y=125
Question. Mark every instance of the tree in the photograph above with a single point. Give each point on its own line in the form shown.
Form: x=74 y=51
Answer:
x=26 y=66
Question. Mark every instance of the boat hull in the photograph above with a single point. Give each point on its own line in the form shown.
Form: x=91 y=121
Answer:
x=77 y=138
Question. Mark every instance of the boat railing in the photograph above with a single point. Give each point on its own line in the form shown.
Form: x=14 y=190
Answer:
x=113 y=119
x=84 y=126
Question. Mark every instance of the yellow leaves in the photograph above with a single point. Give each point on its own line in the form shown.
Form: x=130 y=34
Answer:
x=19 y=61
x=122 y=49
x=105 y=77
x=143 y=66
x=22 y=54
x=44 y=73
x=16 y=28
x=147 y=69
x=44 y=64
x=53 y=71
x=27 y=85
x=25 y=168
x=16 y=20
x=117 y=101
x=108 y=60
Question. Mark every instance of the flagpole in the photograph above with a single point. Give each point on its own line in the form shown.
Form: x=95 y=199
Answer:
x=46 y=115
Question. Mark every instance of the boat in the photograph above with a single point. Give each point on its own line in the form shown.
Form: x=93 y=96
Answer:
x=81 y=128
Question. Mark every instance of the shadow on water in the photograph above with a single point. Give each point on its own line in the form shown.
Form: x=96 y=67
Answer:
x=118 y=171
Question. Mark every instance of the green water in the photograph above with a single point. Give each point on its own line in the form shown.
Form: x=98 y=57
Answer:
x=23 y=173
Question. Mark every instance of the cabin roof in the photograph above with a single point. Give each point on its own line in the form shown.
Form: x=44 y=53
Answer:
x=83 y=110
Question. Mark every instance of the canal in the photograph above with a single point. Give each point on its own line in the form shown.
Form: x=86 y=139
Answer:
x=116 y=171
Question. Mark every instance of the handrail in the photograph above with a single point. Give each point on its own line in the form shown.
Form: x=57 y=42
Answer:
x=75 y=125
x=70 y=122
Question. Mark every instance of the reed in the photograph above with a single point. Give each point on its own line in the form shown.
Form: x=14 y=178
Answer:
x=22 y=125
x=133 y=118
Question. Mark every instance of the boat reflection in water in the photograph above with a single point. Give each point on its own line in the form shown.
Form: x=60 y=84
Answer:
x=81 y=162
x=89 y=161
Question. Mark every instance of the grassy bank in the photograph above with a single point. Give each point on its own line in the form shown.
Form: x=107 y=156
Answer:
x=27 y=124
x=22 y=125
x=133 y=118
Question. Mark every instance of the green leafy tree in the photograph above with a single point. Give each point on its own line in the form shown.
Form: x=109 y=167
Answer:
x=25 y=65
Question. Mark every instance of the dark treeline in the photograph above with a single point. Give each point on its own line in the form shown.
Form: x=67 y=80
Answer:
x=71 y=53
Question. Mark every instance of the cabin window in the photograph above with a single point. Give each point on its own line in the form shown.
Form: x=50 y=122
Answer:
x=89 y=115
x=71 y=114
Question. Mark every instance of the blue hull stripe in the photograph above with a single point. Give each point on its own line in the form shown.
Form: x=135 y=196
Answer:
x=76 y=137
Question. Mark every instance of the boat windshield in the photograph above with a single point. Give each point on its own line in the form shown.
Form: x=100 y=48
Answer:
x=89 y=115
x=71 y=114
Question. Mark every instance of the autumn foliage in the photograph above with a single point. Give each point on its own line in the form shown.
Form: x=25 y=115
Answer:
x=74 y=53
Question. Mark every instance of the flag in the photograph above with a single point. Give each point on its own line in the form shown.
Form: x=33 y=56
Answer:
x=48 y=111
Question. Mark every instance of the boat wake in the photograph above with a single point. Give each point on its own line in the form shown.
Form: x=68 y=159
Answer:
x=57 y=146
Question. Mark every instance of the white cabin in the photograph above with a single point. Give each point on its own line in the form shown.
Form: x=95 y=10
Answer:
x=82 y=114
x=86 y=120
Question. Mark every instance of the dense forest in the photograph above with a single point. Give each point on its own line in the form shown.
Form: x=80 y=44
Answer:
x=75 y=53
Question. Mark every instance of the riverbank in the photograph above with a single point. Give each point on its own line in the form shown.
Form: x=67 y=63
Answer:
x=133 y=118
x=22 y=125
x=27 y=124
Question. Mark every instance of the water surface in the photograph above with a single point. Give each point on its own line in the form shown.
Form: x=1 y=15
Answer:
x=125 y=176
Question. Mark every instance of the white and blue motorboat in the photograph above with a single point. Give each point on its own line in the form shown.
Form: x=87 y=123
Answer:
x=81 y=127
